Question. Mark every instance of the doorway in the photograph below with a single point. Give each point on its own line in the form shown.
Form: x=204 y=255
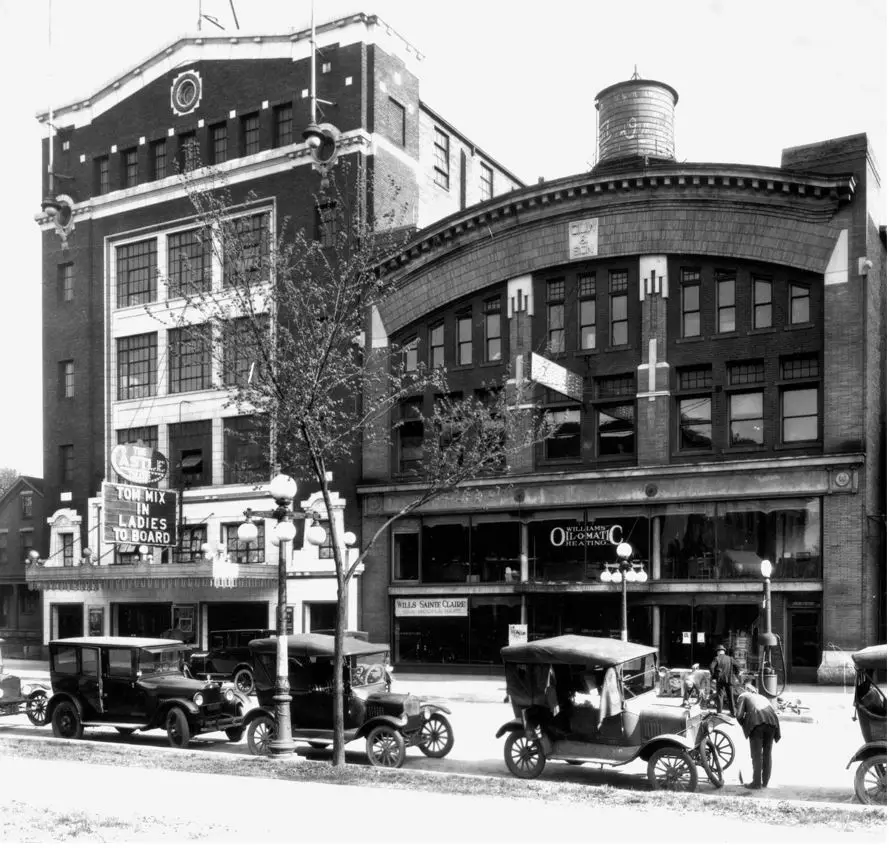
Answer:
x=804 y=648
x=67 y=620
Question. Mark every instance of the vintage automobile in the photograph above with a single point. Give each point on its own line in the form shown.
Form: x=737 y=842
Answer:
x=132 y=683
x=17 y=698
x=228 y=657
x=870 y=713
x=389 y=723
x=585 y=699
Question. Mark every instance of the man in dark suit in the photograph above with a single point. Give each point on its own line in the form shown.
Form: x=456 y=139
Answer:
x=761 y=726
x=721 y=671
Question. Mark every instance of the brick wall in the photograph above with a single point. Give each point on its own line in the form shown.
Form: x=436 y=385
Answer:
x=374 y=603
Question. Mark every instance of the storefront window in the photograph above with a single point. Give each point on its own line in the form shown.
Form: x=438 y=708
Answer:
x=688 y=546
x=445 y=552
x=489 y=620
x=496 y=547
x=406 y=555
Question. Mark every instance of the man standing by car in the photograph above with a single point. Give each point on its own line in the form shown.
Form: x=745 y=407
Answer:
x=758 y=718
x=721 y=671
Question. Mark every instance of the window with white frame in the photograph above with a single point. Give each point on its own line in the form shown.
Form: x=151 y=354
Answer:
x=136 y=272
x=441 y=157
x=137 y=366
x=762 y=303
x=555 y=316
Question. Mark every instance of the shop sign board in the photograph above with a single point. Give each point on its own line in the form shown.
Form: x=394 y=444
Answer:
x=518 y=634
x=138 y=515
x=431 y=607
x=139 y=464
x=583 y=238
x=556 y=377
x=584 y=535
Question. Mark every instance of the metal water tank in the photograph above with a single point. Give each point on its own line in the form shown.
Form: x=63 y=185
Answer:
x=636 y=119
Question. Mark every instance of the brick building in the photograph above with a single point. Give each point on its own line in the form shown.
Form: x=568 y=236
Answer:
x=112 y=286
x=710 y=346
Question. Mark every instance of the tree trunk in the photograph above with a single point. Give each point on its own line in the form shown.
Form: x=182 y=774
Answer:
x=339 y=744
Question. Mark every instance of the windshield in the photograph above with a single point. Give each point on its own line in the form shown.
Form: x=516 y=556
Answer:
x=639 y=675
x=159 y=662
x=369 y=669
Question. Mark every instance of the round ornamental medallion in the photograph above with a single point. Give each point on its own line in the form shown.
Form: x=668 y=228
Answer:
x=185 y=93
x=843 y=478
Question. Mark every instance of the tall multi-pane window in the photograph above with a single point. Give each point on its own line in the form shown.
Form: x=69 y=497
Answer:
x=189 y=152
x=409 y=351
x=396 y=122
x=190 y=444
x=137 y=366
x=493 y=331
x=158 y=159
x=66 y=465
x=103 y=175
x=136 y=272
x=66 y=378
x=800 y=303
x=762 y=303
x=410 y=436
x=745 y=418
x=563 y=433
x=4 y=548
x=145 y=436
x=66 y=281
x=245 y=449
x=555 y=316
x=441 y=158
x=188 y=263
x=27 y=502
x=618 y=282
x=690 y=290
x=188 y=353
x=218 y=143
x=695 y=423
x=130 y=163
x=283 y=125
x=326 y=223
x=799 y=402
x=464 y=339
x=246 y=250
x=250 y=134
x=436 y=345
x=189 y=545
x=725 y=301
x=67 y=540
x=586 y=293
x=242 y=349
x=616 y=420
x=239 y=551
x=486 y=182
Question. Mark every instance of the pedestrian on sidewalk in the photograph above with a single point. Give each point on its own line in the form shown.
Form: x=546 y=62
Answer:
x=761 y=726
x=721 y=671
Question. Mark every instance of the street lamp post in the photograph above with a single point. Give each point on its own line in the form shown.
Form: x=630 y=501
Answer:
x=623 y=572
x=283 y=490
x=768 y=680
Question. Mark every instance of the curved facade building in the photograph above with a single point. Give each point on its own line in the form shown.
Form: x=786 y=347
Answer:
x=717 y=393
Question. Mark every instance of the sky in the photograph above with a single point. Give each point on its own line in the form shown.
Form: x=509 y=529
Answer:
x=519 y=78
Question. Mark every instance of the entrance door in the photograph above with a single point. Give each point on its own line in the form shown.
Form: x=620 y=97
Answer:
x=68 y=620
x=320 y=615
x=804 y=648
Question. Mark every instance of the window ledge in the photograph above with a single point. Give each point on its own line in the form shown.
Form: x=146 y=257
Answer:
x=729 y=334
x=614 y=348
x=761 y=331
x=689 y=340
x=809 y=325
x=683 y=453
x=744 y=449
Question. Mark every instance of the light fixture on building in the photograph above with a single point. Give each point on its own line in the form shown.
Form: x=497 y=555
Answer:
x=88 y=557
x=624 y=571
x=768 y=679
x=282 y=490
x=322 y=139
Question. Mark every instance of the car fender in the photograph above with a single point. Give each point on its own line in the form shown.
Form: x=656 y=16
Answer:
x=189 y=708
x=58 y=698
x=868 y=750
x=395 y=722
x=665 y=740
x=256 y=712
x=434 y=708
x=714 y=720
x=515 y=724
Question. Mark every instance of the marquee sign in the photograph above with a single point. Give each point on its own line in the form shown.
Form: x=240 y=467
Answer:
x=429 y=607
x=137 y=515
x=139 y=464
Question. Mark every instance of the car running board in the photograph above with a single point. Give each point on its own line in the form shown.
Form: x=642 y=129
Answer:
x=126 y=724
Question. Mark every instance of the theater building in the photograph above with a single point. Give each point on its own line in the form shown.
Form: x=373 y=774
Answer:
x=709 y=343
x=119 y=369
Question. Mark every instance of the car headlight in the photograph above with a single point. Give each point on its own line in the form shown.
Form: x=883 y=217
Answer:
x=198 y=699
x=228 y=694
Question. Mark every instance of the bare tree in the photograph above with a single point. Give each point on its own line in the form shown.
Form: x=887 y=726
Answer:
x=287 y=329
x=8 y=476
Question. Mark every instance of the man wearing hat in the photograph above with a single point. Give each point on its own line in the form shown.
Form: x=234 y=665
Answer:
x=721 y=670
x=761 y=726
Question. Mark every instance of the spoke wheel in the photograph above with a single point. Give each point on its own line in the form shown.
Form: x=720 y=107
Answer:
x=711 y=762
x=243 y=680
x=66 y=722
x=524 y=757
x=385 y=747
x=436 y=737
x=259 y=736
x=178 y=734
x=672 y=769
x=870 y=780
x=36 y=708
x=725 y=748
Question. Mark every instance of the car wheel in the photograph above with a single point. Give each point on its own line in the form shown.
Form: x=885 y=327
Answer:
x=672 y=769
x=725 y=748
x=870 y=780
x=66 y=722
x=178 y=734
x=243 y=680
x=235 y=734
x=710 y=761
x=385 y=747
x=524 y=757
x=259 y=736
x=36 y=707
x=319 y=746
x=436 y=737
x=125 y=731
